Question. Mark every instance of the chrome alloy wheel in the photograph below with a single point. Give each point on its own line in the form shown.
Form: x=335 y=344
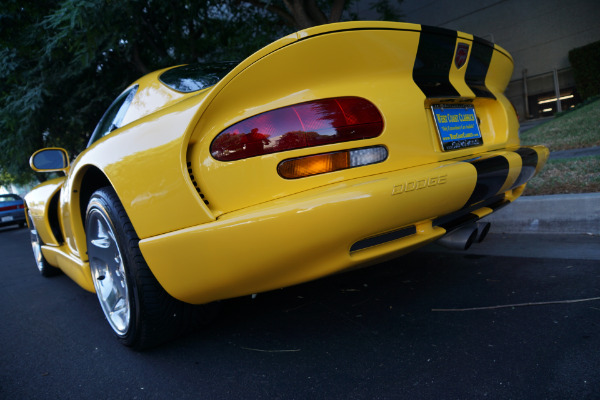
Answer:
x=108 y=271
x=37 y=248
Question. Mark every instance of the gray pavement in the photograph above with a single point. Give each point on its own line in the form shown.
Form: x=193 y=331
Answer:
x=423 y=326
x=531 y=245
x=585 y=152
x=561 y=214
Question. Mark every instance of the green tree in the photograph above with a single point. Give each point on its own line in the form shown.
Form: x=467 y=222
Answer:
x=301 y=14
x=63 y=61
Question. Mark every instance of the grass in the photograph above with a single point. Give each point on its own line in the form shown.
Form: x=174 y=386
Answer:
x=567 y=175
x=576 y=129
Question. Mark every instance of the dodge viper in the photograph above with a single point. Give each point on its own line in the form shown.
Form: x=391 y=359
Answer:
x=332 y=148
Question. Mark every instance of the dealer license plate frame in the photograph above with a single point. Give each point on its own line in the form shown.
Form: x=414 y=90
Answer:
x=457 y=126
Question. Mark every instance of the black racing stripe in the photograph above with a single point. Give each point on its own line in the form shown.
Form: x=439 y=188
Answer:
x=431 y=71
x=479 y=63
x=491 y=175
x=452 y=221
x=499 y=204
x=530 y=160
x=466 y=216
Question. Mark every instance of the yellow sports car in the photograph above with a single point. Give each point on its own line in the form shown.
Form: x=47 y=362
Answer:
x=334 y=147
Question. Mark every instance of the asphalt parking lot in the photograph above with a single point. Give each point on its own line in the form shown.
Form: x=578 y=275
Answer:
x=430 y=325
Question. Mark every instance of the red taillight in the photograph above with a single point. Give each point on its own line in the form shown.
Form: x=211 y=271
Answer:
x=302 y=125
x=9 y=208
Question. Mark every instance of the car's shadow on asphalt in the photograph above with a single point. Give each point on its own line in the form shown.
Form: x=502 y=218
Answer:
x=397 y=316
x=9 y=228
x=373 y=331
x=362 y=306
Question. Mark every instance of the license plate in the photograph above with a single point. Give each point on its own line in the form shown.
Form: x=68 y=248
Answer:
x=6 y=219
x=457 y=126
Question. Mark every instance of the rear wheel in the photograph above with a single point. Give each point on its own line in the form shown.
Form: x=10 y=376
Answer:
x=140 y=312
x=36 y=245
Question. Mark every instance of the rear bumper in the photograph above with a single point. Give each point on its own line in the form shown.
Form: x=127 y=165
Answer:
x=330 y=229
x=15 y=217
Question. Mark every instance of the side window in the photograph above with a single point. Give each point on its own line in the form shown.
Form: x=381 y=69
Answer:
x=113 y=117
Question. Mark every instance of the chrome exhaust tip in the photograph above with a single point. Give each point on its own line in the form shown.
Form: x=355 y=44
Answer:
x=482 y=230
x=461 y=238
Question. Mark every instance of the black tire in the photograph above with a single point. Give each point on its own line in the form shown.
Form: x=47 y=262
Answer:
x=153 y=316
x=42 y=264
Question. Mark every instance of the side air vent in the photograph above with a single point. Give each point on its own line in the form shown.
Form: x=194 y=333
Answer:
x=383 y=238
x=189 y=166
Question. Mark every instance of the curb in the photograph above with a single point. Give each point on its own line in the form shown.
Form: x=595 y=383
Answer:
x=563 y=213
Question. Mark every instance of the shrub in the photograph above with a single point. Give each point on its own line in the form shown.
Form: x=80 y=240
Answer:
x=585 y=61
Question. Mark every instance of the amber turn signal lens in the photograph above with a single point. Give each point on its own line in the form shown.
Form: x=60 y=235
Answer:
x=330 y=162
x=313 y=165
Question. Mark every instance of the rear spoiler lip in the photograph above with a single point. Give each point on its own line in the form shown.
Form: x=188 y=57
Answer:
x=393 y=26
x=335 y=28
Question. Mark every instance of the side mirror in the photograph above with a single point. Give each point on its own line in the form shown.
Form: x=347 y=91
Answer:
x=50 y=160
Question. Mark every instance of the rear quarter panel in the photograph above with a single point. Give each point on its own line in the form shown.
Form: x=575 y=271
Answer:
x=375 y=63
x=145 y=164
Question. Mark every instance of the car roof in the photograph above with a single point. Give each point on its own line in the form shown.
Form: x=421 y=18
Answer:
x=163 y=88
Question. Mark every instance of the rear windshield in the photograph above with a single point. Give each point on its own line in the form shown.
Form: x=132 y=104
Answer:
x=194 y=77
x=8 y=197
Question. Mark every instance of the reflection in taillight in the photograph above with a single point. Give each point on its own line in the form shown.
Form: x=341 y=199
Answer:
x=302 y=125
